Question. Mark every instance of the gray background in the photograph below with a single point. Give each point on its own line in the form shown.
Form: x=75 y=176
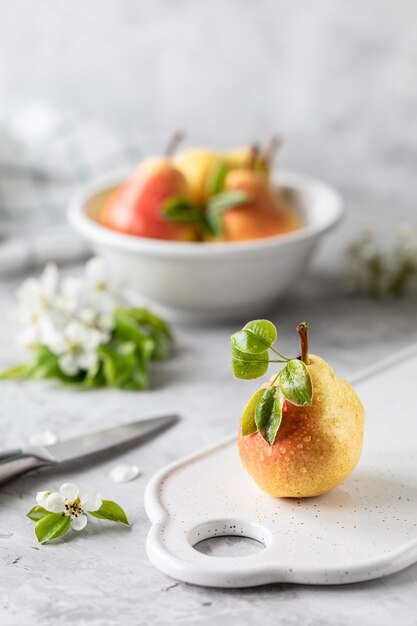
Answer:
x=337 y=79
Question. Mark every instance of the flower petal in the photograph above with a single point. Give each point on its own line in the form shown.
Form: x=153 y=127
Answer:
x=41 y=497
x=124 y=473
x=55 y=503
x=96 y=271
x=68 y=364
x=49 y=279
x=87 y=360
x=69 y=491
x=46 y=438
x=91 y=501
x=80 y=522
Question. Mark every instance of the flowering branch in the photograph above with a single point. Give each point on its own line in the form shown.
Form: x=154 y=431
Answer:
x=81 y=332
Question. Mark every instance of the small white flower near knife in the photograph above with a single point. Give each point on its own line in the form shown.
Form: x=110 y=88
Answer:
x=58 y=511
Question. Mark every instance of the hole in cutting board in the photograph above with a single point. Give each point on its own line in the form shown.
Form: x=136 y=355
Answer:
x=229 y=546
x=229 y=538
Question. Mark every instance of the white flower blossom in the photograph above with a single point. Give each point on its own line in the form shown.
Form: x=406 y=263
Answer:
x=37 y=295
x=37 y=299
x=73 y=320
x=124 y=473
x=102 y=294
x=68 y=501
x=76 y=347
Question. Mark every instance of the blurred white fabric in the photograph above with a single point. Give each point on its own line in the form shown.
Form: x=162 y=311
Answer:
x=45 y=155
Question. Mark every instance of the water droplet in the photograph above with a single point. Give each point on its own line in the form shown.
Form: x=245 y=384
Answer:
x=261 y=456
x=303 y=470
x=299 y=446
x=283 y=449
x=307 y=438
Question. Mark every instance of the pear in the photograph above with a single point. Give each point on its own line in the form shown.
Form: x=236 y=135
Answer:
x=136 y=207
x=264 y=215
x=195 y=165
x=316 y=446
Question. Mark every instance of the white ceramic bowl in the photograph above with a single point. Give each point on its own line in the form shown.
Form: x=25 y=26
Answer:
x=219 y=280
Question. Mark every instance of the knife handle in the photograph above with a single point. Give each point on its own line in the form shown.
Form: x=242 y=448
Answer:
x=17 y=462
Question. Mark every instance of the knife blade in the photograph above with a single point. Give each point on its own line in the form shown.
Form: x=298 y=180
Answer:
x=17 y=462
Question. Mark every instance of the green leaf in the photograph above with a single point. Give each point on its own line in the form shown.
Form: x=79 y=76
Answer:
x=123 y=366
x=181 y=210
x=15 y=372
x=257 y=336
x=111 y=511
x=162 y=346
x=52 y=526
x=227 y=200
x=295 y=383
x=248 y=366
x=150 y=320
x=44 y=365
x=268 y=414
x=37 y=513
x=216 y=178
x=248 y=418
x=127 y=329
x=95 y=377
x=213 y=223
x=217 y=205
x=155 y=328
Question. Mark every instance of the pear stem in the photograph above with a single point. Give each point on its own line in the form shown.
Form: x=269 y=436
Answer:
x=302 y=330
x=173 y=144
x=271 y=149
x=252 y=156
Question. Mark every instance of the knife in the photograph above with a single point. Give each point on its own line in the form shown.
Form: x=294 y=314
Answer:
x=17 y=462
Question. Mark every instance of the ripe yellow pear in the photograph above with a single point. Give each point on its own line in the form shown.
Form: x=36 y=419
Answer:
x=316 y=446
x=195 y=166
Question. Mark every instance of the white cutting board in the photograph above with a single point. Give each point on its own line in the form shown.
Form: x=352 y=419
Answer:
x=363 y=529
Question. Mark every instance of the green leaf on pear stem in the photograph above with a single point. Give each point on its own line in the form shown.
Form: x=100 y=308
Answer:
x=248 y=366
x=37 y=513
x=295 y=383
x=216 y=178
x=181 y=210
x=268 y=414
x=110 y=511
x=52 y=526
x=257 y=336
x=213 y=223
x=227 y=200
x=248 y=417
